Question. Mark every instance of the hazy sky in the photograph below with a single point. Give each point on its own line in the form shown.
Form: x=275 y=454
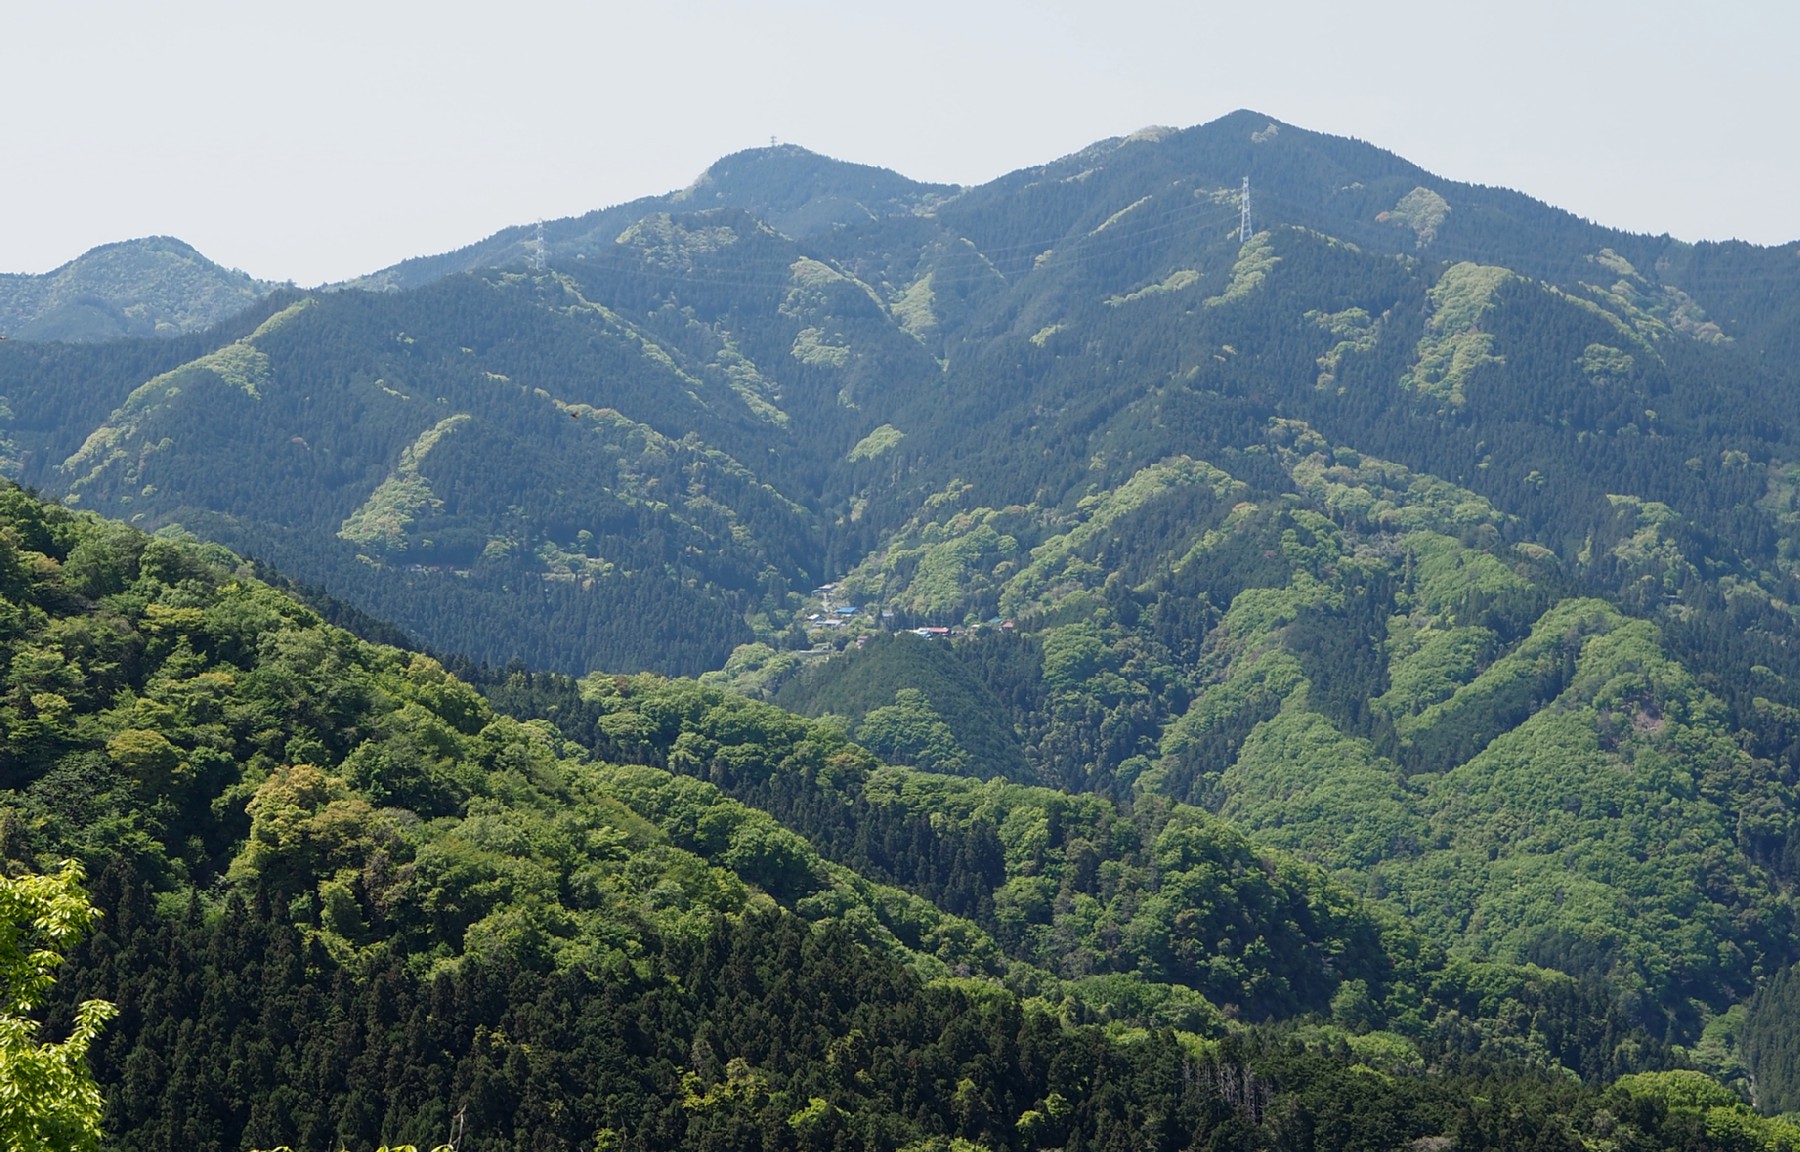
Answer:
x=321 y=140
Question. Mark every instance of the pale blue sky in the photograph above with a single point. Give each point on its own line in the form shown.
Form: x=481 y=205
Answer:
x=317 y=141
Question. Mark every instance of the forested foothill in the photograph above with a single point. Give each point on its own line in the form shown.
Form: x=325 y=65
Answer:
x=1357 y=702
x=343 y=898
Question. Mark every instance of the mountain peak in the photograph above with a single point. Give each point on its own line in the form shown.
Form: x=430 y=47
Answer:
x=799 y=191
x=152 y=285
x=150 y=245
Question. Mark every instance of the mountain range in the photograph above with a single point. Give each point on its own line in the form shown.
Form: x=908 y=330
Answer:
x=688 y=343
x=1421 y=547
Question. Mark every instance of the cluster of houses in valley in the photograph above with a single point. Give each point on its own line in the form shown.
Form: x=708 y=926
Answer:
x=838 y=616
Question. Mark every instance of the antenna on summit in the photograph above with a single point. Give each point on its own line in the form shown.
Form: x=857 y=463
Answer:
x=537 y=250
x=1244 y=213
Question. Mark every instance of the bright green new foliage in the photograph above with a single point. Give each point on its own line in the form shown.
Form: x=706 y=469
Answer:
x=48 y=1099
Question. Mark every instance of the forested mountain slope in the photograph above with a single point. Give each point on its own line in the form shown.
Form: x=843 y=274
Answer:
x=345 y=900
x=1431 y=537
x=793 y=360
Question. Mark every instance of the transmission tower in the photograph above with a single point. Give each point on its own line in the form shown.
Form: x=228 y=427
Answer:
x=537 y=251
x=1244 y=213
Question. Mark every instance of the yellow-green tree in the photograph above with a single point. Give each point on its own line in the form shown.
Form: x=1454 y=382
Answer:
x=48 y=1099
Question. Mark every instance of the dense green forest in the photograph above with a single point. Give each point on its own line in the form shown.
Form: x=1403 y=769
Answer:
x=343 y=899
x=1357 y=703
